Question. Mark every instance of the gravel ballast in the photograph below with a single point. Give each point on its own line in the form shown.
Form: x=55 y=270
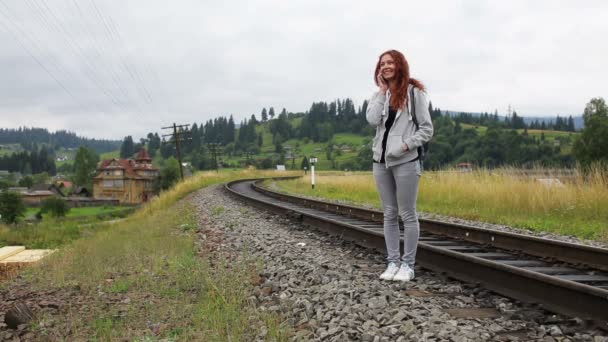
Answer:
x=328 y=289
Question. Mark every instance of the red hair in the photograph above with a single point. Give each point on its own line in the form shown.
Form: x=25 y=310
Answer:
x=399 y=95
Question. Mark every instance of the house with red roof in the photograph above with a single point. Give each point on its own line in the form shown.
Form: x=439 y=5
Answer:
x=131 y=181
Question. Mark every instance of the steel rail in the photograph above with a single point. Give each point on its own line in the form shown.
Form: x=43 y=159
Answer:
x=571 y=253
x=553 y=292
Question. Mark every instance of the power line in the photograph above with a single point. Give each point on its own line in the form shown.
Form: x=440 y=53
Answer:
x=118 y=38
x=179 y=136
x=31 y=54
x=113 y=73
x=79 y=51
x=215 y=149
x=60 y=73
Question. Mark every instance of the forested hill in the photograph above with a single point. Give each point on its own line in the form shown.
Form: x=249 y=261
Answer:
x=337 y=133
x=27 y=137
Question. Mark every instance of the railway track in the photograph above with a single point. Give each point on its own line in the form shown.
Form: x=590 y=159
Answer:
x=562 y=277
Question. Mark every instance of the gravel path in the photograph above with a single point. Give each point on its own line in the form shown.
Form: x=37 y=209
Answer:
x=329 y=290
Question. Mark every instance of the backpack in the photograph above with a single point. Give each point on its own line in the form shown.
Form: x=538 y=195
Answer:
x=424 y=149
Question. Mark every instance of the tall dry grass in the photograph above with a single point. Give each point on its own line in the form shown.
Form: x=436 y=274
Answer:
x=575 y=206
x=151 y=258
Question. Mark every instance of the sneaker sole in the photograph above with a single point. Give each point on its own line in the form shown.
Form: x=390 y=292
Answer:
x=403 y=280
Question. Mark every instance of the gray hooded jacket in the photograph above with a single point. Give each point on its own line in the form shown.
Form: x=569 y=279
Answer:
x=403 y=130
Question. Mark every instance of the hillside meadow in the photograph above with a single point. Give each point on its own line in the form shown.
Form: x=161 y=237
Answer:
x=577 y=207
x=151 y=258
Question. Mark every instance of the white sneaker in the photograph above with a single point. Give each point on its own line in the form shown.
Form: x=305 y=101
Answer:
x=390 y=271
x=405 y=273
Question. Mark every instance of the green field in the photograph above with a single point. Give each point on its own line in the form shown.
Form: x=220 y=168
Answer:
x=109 y=155
x=308 y=149
x=83 y=211
x=7 y=149
x=497 y=196
x=63 y=152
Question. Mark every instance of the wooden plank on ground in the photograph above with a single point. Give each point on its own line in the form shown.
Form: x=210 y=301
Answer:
x=26 y=257
x=9 y=251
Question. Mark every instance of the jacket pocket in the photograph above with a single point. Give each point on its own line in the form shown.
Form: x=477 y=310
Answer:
x=394 y=146
x=376 y=145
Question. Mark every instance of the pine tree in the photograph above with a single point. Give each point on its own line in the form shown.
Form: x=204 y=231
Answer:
x=271 y=113
x=571 y=124
x=264 y=115
x=127 y=149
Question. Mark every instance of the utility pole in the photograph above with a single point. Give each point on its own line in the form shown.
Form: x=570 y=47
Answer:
x=178 y=136
x=215 y=149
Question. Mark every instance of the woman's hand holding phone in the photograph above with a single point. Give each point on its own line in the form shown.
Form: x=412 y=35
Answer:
x=382 y=83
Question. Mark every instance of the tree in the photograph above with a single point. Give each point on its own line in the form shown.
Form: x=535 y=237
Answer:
x=26 y=181
x=271 y=113
x=264 y=115
x=41 y=178
x=153 y=143
x=169 y=173
x=85 y=164
x=56 y=207
x=127 y=149
x=590 y=146
x=11 y=207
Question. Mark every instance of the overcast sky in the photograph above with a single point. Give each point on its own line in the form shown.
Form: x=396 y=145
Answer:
x=108 y=69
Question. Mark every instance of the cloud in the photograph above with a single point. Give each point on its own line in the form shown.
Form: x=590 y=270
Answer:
x=132 y=67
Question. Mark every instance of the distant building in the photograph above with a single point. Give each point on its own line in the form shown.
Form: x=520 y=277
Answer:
x=130 y=181
x=81 y=191
x=465 y=167
x=18 y=189
x=56 y=190
x=64 y=184
x=35 y=197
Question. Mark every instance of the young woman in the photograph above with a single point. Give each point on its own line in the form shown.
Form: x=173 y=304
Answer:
x=396 y=160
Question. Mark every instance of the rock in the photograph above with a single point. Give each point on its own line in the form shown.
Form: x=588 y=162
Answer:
x=329 y=288
x=365 y=337
x=17 y=315
x=555 y=331
x=28 y=336
x=377 y=303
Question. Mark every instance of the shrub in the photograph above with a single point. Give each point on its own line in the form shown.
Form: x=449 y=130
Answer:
x=55 y=206
x=11 y=207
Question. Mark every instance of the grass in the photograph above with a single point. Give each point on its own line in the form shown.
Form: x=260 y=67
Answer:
x=109 y=155
x=83 y=211
x=8 y=149
x=502 y=196
x=150 y=258
x=51 y=233
x=306 y=149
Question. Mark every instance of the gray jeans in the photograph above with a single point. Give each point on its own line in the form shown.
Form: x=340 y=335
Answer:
x=398 y=190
